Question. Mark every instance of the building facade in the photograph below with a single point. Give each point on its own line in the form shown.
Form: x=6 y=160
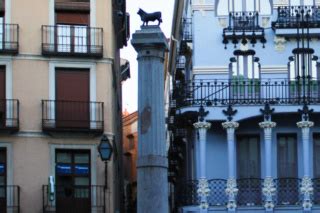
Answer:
x=130 y=155
x=244 y=107
x=60 y=91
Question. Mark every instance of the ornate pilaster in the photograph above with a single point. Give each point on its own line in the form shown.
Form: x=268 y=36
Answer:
x=306 y=186
x=269 y=191
x=232 y=192
x=268 y=184
x=307 y=190
x=231 y=189
x=203 y=186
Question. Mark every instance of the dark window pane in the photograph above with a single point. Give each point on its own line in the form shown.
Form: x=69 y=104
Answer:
x=81 y=158
x=64 y=157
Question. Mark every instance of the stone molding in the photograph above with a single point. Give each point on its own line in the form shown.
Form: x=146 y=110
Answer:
x=305 y=124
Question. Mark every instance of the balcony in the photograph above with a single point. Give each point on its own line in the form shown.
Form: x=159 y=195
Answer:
x=74 y=199
x=69 y=40
x=247 y=92
x=10 y=199
x=293 y=17
x=9 y=115
x=249 y=194
x=243 y=27
x=72 y=116
x=9 y=39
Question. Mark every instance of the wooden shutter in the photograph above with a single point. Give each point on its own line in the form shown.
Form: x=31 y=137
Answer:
x=2 y=82
x=72 y=95
x=73 y=18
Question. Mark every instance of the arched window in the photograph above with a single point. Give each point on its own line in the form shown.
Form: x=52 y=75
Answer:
x=244 y=75
x=224 y=7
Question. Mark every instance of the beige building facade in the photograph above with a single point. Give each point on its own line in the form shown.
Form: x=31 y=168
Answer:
x=59 y=93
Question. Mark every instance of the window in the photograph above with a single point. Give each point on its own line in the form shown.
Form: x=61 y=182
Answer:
x=248 y=170
x=316 y=156
x=248 y=157
x=245 y=74
x=2 y=96
x=72 y=98
x=227 y=6
x=3 y=180
x=73 y=183
x=304 y=75
x=287 y=156
x=287 y=183
x=72 y=20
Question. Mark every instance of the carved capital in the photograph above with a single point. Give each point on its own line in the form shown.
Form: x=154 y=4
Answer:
x=305 y=124
x=202 y=125
x=230 y=125
x=267 y=124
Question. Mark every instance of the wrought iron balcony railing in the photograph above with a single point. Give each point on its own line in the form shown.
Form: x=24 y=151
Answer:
x=297 y=17
x=249 y=194
x=243 y=27
x=187 y=29
x=72 y=116
x=10 y=199
x=246 y=92
x=69 y=40
x=9 y=38
x=288 y=191
x=73 y=199
x=9 y=114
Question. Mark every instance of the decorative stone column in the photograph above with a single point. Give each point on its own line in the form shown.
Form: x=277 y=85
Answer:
x=231 y=189
x=306 y=185
x=203 y=186
x=152 y=164
x=269 y=188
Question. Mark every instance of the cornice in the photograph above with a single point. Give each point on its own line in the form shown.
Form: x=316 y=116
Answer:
x=202 y=7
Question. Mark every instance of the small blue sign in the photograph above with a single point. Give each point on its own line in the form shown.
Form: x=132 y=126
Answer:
x=2 y=168
x=81 y=169
x=64 y=169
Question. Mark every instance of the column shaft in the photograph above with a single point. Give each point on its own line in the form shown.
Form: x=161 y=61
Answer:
x=152 y=163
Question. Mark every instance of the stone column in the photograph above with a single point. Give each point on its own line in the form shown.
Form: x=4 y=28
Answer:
x=152 y=164
x=269 y=188
x=231 y=189
x=203 y=187
x=306 y=185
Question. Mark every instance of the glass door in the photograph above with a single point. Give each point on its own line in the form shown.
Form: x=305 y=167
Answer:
x=73 y=183
x=288 y=182
x=3 y=180
x=248 y=170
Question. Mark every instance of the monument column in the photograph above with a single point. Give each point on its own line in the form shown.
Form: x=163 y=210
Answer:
x=152 y=166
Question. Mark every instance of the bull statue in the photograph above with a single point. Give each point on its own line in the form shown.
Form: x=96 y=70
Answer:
x=146 y=17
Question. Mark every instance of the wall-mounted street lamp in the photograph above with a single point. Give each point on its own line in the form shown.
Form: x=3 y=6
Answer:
x=105 y=150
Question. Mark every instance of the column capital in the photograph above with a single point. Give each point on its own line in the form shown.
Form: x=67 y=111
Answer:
x=305 y=124
x=230 y=125
x=267 y=124
x=202 y=125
